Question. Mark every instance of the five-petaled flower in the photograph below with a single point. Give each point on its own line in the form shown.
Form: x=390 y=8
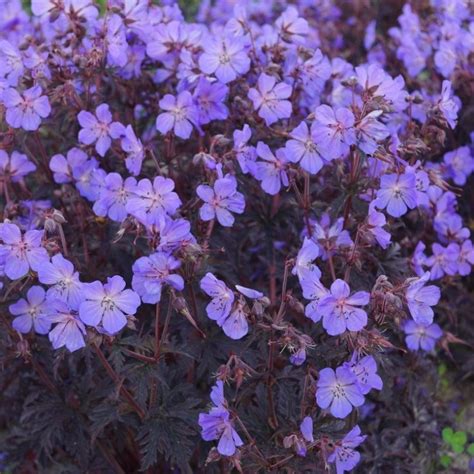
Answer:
x=272 y=171
x=225 y=57
x=20 y=252
x=340 y=310
x=339 y=391
x=63 y=280
x=32 y=312
x=217 y=424
x=69 y=330
x=421 y=336
x=397 y=193
x=269 y=99
x=420 y=298
x=180 y=115
x=233 y=321
x=99 y=128
x=25 y=110
x=107 y=305
x=333 y=131
x=344 y=455
x=152 y=272
x=150 y=201
x=220 y=200
x=15 y=166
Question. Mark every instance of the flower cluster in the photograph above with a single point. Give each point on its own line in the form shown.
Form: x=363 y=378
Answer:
x=151 y=166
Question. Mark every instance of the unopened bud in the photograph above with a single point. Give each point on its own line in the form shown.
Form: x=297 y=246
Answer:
x=180 y=305
x=221 y=140
x=131 y=322
x=213 y=456
x=50 y=226
x=206 y=159
x=53 y=218
x=23 y=348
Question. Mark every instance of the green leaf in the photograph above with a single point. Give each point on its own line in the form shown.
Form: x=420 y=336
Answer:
x=460 y=437
x=447 y=434
x=445 y=460
x=470 y=449
x=457 y=448
x=442 y=369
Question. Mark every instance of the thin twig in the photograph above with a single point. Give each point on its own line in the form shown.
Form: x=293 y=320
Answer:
x=115 y=377
x=157 y=330
x=165 y=328
x=251 y=439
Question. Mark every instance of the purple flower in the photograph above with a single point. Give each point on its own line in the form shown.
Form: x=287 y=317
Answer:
x=32 y=213
x=69 y=330
x=370 y=131
x=397 y=193
x=76 y=8
x=108 y=304
x=236 y=325
x=421 y=336
x=377 y=84
x=298 y=357
x=329 y=237
x=302 y=149
x=459 y=164
x=308 y=252
x=272 y=171
x=445 y=58
x=246 y=154
x=88 y=179
x=225 y=57
x=291 y=26
x=21 y=252
x=333 y=131
x=15 y=166
x=180 y=115
x=221 y=200
x=419 y=258
x=447 y=105
x=150 y=202
x=450 y=228
x=152 y=272
x=63 y=168
x=365 y=370
x=465 y=258
x=344 y=455
x=314 y=291
x=338 y=391
x=209 y=99
x=217 y=423
x=306 y=429
x=315 y=71
x=376 y=221
x=134 y=149
x=32 y=312
x=222 y=298
x=420 y=298
x=63 y=280
x=269 y=99
x=114 y=196
x=11 y=63
x=174 y=234
x=27 y=109
x=116 y=41
x=443 y=261
x=99 y=128
x=249 y=292
x=340 y=310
